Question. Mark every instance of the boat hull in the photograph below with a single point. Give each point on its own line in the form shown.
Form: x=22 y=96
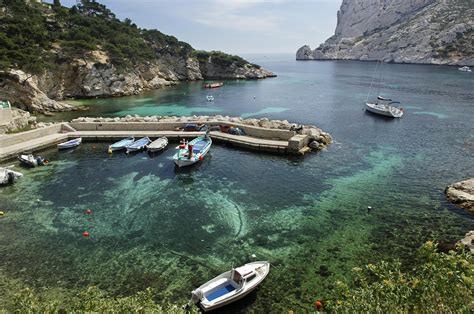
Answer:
x=384 y=110
x=8 y=176
x=157 y=145
x=121 y=144
x=181 y=160
x=70 y=144
x=138 y=145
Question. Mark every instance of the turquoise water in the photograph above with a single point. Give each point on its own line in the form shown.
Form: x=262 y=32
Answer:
x=173 y=229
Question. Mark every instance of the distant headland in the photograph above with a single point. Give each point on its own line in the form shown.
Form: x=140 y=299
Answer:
x=419 y=31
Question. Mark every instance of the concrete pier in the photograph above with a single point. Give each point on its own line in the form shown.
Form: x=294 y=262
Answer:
x=256 y=138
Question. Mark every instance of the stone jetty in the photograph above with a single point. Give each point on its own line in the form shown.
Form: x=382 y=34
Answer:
x=265 y=135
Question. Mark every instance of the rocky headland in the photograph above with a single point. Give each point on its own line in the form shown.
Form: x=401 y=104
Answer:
x=63 y=56
x=416 y=31
x=462 y=194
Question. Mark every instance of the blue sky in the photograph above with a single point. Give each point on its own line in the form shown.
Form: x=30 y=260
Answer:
x=234 y=26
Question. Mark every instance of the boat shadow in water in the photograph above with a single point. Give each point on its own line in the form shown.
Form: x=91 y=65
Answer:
x=239 y=306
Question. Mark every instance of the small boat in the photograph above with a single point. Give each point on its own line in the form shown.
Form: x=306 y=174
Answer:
x=157 y=145
x=210 y=98
x=122 y=144
x=192 y=152
x=230 y=286
x=138 y=145
x=70 y=144
x=8 y=176
x=31 y=161
x=385 y=107
x=214 y=85
x=465 y=69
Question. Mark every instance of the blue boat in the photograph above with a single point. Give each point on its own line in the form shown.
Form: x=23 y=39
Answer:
x=122 y=144
x=138 y=145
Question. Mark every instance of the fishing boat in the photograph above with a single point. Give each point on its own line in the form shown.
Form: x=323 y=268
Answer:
x=8 y=176
x=122 y=144
x=214 y=85
x=157 y=145
x=70 y=144
x=230 y=286
x=138 y=145
x=465 y=69
x=382 y=106
x=31 y=161
x=193 y=151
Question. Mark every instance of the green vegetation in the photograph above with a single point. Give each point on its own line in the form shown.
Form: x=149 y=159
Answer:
x=220 y=58
x=36 y=36
x=439 y=282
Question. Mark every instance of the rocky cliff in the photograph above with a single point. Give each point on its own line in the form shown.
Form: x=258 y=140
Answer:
x=50 y=53
x=402 y=31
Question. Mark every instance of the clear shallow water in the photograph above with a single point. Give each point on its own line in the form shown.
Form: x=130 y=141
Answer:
x=154 y=225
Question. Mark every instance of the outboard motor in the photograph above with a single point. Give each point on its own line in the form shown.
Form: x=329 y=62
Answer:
x=11 y=177
x=39 y=161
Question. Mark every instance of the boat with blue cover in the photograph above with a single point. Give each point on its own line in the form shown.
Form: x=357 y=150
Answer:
x=230 y=286
x=193 y=151
x=138 y=145
x=70 y=144
x=122 y=144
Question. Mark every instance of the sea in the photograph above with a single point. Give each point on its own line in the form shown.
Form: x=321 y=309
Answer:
x=154 y=225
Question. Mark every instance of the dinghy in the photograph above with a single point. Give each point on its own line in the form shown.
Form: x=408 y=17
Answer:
x=8 y=176
x=157 y=145
x=70 y=144
x=230 y=286
x=192 y=152
x=138 y=145
x=31 y=161
x=122 y=144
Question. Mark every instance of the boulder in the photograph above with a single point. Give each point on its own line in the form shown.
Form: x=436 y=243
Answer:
x=462 y=194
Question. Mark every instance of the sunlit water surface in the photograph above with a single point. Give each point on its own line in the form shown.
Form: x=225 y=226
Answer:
x=173 y=229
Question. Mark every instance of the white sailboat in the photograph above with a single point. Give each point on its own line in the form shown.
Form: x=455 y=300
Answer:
x=382 y=105
x=230 y=286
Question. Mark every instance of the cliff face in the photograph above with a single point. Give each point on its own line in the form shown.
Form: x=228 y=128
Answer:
x=402 y=31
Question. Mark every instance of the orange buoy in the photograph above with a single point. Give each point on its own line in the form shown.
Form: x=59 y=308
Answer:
x=318 y=304
x=85 y=234
x=88 y=211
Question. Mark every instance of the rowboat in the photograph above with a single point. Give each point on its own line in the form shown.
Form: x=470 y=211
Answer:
x=122 y=144
x=214 y=85
x=157 y=144
x=8 y=176
x=70 y=144
x=230 y=286
x=192 y=152
x=31 y=161
x=138 y=145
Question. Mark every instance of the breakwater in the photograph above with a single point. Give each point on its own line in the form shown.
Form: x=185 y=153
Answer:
x=275 y=136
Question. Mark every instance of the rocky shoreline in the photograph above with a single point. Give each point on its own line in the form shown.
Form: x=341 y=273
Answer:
x=462 y=194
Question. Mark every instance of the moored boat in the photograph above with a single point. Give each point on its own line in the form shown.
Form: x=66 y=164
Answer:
x=465 y=69
x=193 y=151
x=138 y=145
x=157 y=145
x=31 y=161
x=8 y=176
x=122 y=144
x=70 y=144
x=385 y=107
x=214 y=85
x=210 y=98
x=230 y=286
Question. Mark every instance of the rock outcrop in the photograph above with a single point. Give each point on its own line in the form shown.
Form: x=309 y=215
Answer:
x=20 y=120
x=468 y=240
x=401 y=31
x=462 y=194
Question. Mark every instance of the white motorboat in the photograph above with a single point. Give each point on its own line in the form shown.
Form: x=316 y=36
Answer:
x=210 y=98
x=230 y=286
x=157 y=145
x=192 y=152
x=8 y=176
x=30 y=160
x=465 y=69
x=70 y=144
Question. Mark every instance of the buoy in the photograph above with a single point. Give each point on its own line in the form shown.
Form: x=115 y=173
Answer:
x=318 y=304
x=85 y=234
x=2 y=214
x=369 y=208
x=88 y=211
x=109 y=150
x=93 y=146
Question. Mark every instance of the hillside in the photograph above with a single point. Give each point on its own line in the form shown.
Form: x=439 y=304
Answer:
x=50 y=52
x=416 y=31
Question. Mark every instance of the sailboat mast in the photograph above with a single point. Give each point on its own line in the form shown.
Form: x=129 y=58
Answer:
x=380 y=79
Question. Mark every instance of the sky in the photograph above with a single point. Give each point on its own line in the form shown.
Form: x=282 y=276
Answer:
x=234 y=26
